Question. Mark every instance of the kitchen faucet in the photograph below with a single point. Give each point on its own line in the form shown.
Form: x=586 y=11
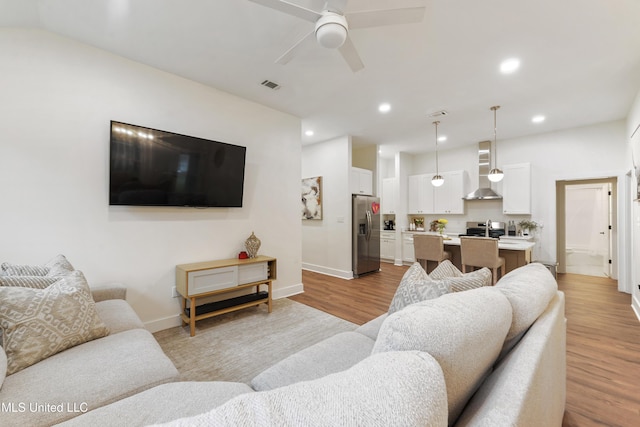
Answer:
x=487 y=227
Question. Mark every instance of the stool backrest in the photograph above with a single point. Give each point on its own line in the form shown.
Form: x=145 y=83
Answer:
x=428 y=247
x=479 y=251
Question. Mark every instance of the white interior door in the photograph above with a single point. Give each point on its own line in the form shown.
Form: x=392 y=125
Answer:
x=588 y=233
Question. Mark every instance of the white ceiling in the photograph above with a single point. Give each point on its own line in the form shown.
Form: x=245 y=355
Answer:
x=580 y=61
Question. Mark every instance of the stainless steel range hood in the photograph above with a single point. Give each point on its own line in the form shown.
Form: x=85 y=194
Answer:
x=485 y=192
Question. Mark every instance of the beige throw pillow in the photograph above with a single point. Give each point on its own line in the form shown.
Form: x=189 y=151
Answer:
x=458 y=281
x=36 y=282
x=38 y=323
x=58 y=266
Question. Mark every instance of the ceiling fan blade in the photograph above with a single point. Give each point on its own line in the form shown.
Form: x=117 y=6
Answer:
x=350 y=54
x=293 y=50
x=335 y=5
x=378 y=18
x=291 y=9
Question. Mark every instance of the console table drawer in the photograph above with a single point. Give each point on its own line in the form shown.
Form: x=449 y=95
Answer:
x=252 y=273
x=212 y=280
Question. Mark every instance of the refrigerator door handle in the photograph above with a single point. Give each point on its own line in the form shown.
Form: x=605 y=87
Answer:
x=369 y=224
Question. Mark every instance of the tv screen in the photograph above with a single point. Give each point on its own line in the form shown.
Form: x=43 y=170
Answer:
x=150 y=167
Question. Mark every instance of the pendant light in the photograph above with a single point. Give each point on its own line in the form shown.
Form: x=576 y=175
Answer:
x=495 y=174
x=437 y=179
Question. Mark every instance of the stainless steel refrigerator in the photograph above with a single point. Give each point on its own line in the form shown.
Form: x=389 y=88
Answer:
x=366 y=235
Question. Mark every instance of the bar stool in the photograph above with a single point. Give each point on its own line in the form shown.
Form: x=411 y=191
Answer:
x=429 y=247
x=482 y=252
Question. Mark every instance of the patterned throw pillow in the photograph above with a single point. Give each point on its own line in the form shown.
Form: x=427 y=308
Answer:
x=9 y=269
x=416 y=286
x=38 y=323
x=458 y=281
x=58 y=266
x=35 y=282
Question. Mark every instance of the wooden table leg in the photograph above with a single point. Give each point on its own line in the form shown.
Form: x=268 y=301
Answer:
x=269 y=300
x=192 y=317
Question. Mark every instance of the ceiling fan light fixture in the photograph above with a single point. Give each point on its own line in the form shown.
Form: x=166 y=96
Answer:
x=331 y=30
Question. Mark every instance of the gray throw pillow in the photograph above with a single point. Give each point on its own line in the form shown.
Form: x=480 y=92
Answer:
x=416 y=286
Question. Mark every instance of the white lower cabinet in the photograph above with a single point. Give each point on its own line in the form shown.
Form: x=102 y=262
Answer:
x=408 y=253
x=388 y=245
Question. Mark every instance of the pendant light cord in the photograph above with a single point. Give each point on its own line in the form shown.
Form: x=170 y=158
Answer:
x=437 y=169
x=495 y=139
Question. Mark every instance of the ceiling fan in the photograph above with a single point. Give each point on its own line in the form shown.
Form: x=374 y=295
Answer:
x=332 y=26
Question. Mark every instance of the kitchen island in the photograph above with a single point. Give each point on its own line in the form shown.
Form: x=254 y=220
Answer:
x=516 y=252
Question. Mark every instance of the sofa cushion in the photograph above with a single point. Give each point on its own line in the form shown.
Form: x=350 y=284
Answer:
x=463 y=331
x=34 y=282
x=459 y=281
x=382 y=390
x=162 y=404
x=372 y=327
x=38 y=323
x=416 y=286
x=57 y=266
x=88 y=376
x=528 y=387
x=529 y=289
x=118 y=315
x=333 y=354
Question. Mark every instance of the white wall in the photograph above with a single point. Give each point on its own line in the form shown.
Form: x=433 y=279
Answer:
x=594 y=151
x=633 y=213
x=326 y=243
x=58 y=97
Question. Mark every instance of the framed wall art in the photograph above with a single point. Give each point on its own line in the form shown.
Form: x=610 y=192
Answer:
x=312 y=198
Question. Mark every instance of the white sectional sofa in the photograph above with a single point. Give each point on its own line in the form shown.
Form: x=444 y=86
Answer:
x=86 y=376
x=491 y=356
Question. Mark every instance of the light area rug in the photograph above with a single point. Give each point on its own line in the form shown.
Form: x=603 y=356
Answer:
x=237 y=346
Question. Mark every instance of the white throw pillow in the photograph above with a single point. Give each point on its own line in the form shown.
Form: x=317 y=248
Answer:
x=463 y=331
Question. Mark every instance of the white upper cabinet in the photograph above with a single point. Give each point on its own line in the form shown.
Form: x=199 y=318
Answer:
x=516 y=189
x=448 y=197
x=361 y=181
x=420 y=194
x=390 y=195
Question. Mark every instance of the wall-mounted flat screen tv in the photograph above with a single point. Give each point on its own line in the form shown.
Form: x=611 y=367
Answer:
x=150 y=167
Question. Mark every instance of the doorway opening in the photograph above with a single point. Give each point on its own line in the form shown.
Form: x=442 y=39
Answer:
x=585 y=226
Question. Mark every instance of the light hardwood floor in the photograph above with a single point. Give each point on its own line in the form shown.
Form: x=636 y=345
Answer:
x=603 y=337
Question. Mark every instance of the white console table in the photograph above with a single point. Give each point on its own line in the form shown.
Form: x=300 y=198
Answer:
x=209 y=278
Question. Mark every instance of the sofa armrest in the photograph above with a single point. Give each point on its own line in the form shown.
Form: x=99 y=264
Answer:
x=108 y=291
x=3 y=366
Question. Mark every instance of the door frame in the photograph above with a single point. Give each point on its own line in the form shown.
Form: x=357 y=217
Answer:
x=561 y=244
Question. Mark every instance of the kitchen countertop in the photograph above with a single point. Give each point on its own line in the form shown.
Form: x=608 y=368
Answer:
x=510 y=244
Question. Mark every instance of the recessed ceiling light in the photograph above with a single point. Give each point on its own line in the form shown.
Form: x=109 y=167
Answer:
x=509 y=66
x=384 y=107
x=309 y=133
x=538 y=119
x=442 y=138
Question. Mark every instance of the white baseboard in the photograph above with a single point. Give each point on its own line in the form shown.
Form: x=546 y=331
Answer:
x=635 y=305
x=162 y=324
x=175 y=320
x=328 y=271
